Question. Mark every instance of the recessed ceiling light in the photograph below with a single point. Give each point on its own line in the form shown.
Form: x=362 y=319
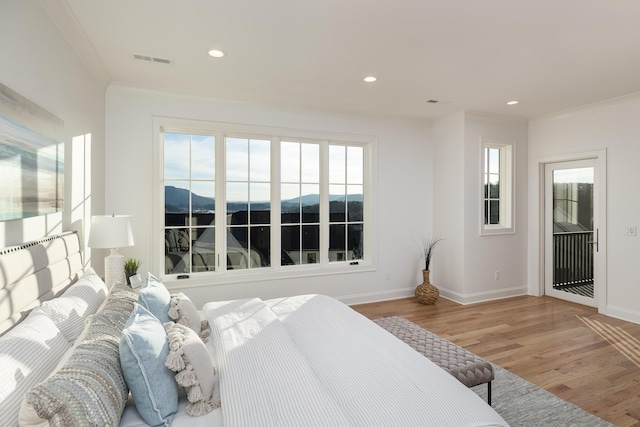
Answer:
x=216 y=53
x=512 y=102
x=370 y=79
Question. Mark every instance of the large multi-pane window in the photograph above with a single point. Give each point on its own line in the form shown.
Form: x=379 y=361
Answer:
x=497 y=187
x=261 y=201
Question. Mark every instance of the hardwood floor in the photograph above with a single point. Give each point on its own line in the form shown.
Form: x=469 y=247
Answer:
x=585 y=358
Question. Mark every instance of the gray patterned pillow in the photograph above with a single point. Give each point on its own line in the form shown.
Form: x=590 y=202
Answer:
x=89 y=389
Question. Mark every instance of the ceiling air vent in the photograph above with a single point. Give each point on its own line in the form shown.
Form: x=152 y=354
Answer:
x=152 y=59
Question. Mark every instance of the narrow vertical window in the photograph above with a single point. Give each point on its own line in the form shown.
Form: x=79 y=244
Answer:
x=189 y=194
x=492 y=185
x=300 y=203
x=497 y=187
x=248 y=188
x=346 y=192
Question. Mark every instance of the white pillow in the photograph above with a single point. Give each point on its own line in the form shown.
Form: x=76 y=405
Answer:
x=28 y=354
x=80 y=300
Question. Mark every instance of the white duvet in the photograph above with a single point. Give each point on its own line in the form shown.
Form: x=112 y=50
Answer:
x=313 y=361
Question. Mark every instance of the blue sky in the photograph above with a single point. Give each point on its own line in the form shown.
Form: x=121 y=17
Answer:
x=248 y=168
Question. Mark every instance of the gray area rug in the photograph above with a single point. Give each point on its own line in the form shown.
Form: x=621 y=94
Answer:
x=523 y=404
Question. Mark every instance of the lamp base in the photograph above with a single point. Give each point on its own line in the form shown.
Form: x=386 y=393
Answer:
x=114 y=268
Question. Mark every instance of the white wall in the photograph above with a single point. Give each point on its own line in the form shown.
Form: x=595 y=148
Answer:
x=404 y=188
x=506 y=253
x=614 y=126
x=465 y=265
x=39 y=64
x=447 y=264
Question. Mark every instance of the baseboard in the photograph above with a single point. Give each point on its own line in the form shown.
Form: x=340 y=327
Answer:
x=483 y=296
x=368 y=297
x=623 y=313
x=464 y=299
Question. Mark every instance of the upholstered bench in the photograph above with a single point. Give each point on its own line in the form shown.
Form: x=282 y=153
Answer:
x=469 y=369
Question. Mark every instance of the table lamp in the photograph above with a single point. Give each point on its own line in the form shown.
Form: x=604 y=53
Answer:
x=111 y=232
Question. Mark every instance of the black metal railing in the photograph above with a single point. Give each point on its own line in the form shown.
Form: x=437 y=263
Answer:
x=573 y=259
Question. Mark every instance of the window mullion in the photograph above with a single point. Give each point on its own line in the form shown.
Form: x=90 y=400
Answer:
x=347 y=256
x=159 y=214
x=503 y=186
x=367 y=218
x=324 y=203
x=276 y=211
x=189 y=220
x=221 y=203
x=300 y=224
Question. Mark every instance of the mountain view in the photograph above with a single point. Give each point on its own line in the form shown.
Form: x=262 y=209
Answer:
x=177 y=200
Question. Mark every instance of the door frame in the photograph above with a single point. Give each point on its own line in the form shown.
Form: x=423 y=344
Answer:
x=537 y=233
x=549 y=222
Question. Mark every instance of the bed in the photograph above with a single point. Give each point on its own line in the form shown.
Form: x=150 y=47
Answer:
x=73 y=352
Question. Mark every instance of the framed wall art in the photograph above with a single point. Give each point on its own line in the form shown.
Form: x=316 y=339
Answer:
x=31 y=158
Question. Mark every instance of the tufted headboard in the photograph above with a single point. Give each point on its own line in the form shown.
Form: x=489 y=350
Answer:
x=35 y=272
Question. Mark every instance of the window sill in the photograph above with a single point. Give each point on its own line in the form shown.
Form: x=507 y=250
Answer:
x=262 y=275
x=497 y=231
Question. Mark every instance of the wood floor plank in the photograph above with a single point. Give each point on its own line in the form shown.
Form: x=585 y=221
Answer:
x=588 y=359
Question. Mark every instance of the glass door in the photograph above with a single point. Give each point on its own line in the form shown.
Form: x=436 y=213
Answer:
x=571 y=231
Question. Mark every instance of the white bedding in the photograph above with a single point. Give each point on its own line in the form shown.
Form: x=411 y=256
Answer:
x=311 y=360
x=131 y=418
x=299 y=361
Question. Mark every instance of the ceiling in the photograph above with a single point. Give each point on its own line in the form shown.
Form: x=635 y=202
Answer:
x=476 y=55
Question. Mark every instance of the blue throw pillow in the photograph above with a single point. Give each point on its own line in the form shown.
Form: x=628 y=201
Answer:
x=144 y=348
x=155 y=297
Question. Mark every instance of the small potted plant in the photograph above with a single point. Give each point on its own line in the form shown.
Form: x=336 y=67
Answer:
x=426 y=292
x=131 y=267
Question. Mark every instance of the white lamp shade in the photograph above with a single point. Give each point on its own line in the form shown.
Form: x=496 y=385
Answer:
x=110 y=231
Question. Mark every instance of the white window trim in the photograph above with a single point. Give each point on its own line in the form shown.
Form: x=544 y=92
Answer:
x=275 y=272
x=507 y=188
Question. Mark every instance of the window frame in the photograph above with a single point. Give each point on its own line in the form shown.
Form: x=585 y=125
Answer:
x=275 y=270
x=506 y=198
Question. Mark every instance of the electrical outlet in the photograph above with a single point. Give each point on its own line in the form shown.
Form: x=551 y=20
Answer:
x=496 y=275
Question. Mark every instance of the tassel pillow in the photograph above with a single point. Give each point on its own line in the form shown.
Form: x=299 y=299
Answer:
x=189 y=358
x=183 y=311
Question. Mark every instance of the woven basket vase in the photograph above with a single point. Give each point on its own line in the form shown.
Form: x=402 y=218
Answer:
x=426 y=293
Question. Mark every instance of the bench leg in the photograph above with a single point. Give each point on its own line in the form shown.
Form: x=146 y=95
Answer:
x=489 y=393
